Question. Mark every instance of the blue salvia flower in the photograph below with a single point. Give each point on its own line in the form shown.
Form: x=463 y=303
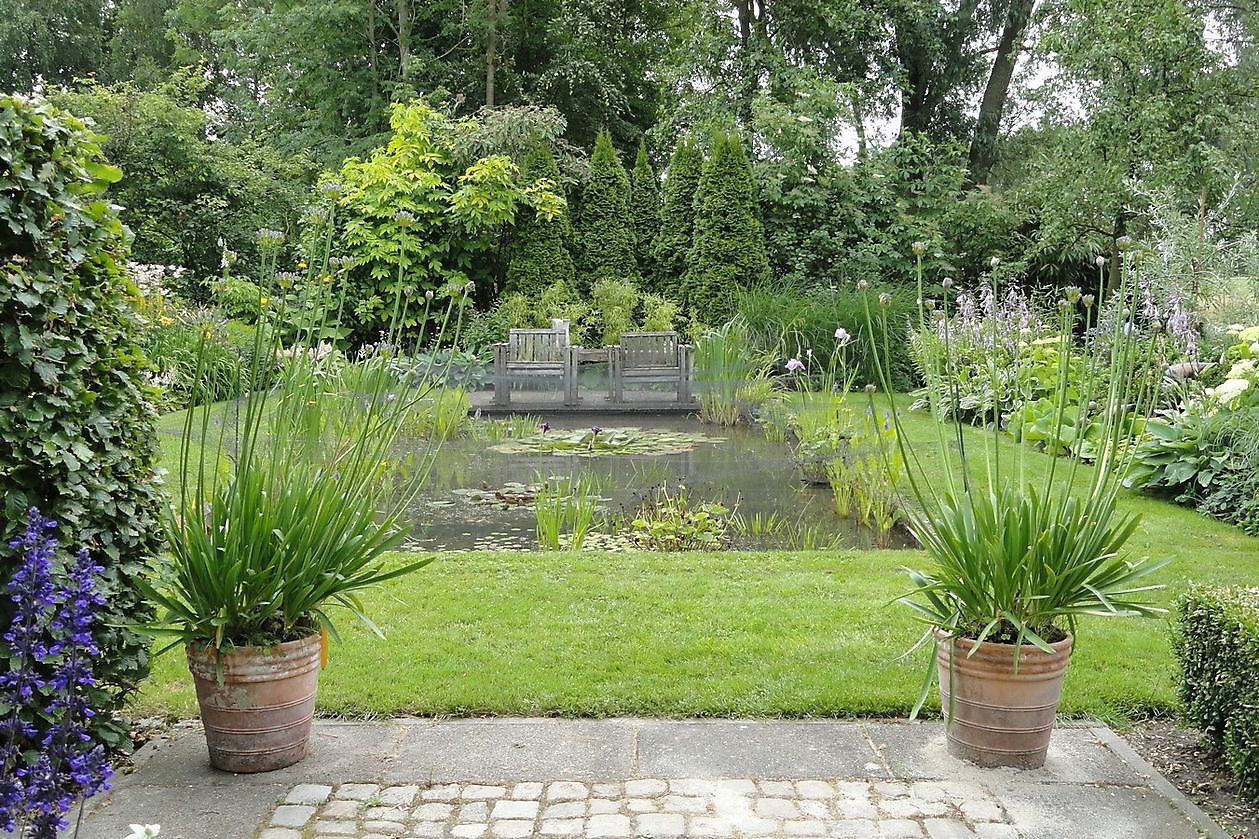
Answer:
x=52 y=650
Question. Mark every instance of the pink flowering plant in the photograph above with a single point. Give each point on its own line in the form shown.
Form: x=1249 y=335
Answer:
x=48 y=760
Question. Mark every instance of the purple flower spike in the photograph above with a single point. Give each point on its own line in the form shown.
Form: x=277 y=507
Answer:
x=46 y=752
x=795 y=365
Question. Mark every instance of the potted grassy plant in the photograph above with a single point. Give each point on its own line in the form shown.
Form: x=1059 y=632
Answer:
x=287 y=502
x=1021 y=550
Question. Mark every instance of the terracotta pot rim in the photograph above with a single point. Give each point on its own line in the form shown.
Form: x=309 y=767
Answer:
x=942 y=635
x=208 y=648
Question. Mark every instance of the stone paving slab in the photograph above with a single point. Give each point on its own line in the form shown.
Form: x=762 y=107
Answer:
x=518 y=778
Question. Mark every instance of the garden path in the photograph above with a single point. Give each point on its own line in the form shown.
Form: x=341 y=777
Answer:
x=517 y=778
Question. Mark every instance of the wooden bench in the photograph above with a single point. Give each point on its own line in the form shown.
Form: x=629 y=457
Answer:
x=651 y=358
x=533 y=354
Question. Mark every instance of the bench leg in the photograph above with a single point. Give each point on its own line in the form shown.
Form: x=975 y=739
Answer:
x=570 y=378
x=686 y=373
x=611 y=375
x=502 y=385
x=618 y=381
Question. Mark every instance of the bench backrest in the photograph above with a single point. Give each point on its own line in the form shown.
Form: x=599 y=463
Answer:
x=543 y=346
x=649 y=349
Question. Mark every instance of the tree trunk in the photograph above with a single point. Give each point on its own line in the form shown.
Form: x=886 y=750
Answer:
x=743 y=8
x=859 y=121
x=983 y=146
x=494 y=7
x=372 y=47
x=404 y=39
x=911 y=56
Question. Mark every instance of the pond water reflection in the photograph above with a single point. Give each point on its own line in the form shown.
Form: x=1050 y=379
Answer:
x=742 y=469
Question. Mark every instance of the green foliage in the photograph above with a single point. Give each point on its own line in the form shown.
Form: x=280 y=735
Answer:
x=612 y=307
x=644 y=211
x=672 y=247
x=605 y=238
x=539 y=250
x=731 y=374
x=728 y=253
x=237 y=297
x=1014 y=559
x=864 y=474
x=660 y=314
x=49 y=42
x=289 y=500
x=1216 y=640
x=1207 y=452
x=411 y=219
x=200 y=360
x=788 y=319
x=441 y=415
x=76 y=410
x=1007 y=362
x=672 y=521
x=1157 y=105
x=184 y=195
x=615 y=302
x=565 y=503
x=1204 y=457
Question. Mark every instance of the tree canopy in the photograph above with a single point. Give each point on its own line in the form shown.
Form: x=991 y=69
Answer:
x=1038 y=129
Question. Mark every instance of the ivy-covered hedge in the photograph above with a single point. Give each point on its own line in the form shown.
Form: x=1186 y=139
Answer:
x=76 y=413
x=1216 y=639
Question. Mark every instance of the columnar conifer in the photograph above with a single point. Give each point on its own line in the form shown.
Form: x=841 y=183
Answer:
x=539 y=254
x=644 y=211
x=603 y=232
x=728 y=252
x=672 y=247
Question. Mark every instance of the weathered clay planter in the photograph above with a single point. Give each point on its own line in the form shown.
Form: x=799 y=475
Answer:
x=996 y=717
x=257 y=717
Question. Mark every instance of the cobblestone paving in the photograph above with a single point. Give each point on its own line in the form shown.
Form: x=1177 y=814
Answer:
x=643 y=808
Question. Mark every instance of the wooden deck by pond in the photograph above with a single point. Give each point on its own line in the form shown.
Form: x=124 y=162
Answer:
x=538 y=370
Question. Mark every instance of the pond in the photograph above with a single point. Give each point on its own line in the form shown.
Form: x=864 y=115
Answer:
x=471 y=499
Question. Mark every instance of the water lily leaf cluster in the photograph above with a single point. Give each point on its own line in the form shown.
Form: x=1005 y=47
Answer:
x=588 y=442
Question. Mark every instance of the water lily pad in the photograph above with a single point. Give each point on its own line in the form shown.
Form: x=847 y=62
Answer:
x=606 y=441
x=510 y=494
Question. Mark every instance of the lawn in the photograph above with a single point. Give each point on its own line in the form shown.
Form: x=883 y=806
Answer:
x=744 y=634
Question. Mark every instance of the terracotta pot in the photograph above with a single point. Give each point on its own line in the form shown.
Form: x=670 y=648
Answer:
x=257 y=716
x=996 y=717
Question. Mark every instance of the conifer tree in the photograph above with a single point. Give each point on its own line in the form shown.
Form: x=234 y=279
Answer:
x=728 y=252
x=539 y=254
x=672 y=247
x=603 y=231
x=644 y=211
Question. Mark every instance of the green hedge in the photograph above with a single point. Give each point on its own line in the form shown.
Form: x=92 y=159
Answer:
x=76 y=411
x=1216 y=638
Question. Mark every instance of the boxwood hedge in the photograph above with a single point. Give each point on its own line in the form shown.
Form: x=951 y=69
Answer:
x=1216 y=638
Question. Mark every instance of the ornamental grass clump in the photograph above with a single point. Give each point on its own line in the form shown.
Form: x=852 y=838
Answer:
x=1020 y=551
x=731 y=374
x=289 y=500
x=48 y=758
